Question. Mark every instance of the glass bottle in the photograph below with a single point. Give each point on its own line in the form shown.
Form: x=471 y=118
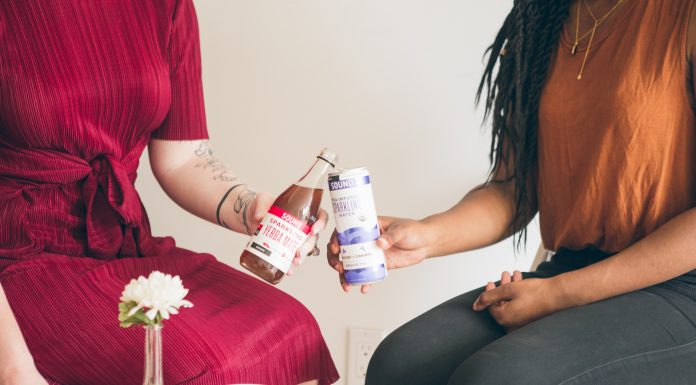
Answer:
x=286 y=226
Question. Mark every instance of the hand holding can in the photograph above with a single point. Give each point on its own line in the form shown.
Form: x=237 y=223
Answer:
x=357 y=227
x=405 y=242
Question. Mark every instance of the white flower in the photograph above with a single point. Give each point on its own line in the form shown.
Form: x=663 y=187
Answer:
x=158 y=293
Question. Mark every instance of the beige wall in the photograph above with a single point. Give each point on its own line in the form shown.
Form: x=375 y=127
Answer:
x=388 y=84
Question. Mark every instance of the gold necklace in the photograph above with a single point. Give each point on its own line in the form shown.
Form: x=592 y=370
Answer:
x=587 y=33
x=591 y=32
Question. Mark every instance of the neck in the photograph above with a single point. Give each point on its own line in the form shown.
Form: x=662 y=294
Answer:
x=599 y=9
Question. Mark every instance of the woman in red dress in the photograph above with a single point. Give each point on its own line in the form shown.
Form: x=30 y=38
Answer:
x=85 y=86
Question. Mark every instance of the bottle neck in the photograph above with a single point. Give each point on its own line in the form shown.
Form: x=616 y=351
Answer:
x=316 y=176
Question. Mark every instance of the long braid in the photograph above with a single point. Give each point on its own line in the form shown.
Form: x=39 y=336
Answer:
x=522 y=53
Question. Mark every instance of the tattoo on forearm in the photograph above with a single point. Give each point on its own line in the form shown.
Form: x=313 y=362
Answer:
x=221 y=173
x=204 y=149
x=210 y=162
x=224 y=197
x=241 y=205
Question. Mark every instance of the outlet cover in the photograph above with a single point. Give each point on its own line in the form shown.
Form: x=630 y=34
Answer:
x=362 y=343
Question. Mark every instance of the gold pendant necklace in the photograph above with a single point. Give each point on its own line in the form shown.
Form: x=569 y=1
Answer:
x=591 y=32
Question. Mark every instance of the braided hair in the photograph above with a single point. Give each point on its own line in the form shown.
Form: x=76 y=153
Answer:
x=521 y=53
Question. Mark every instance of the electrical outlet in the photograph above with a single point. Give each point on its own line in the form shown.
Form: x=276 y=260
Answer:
x=361 y=345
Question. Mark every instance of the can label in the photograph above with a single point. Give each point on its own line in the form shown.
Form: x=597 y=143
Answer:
x=357 y=227
x=278 y=238
x=361 y=255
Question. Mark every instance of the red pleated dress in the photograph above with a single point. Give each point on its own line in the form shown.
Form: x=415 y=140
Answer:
x=84 y=85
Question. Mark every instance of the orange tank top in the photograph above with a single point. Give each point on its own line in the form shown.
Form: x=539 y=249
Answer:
x=617 y=149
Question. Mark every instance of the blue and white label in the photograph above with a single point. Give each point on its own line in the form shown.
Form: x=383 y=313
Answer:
x=357 y=227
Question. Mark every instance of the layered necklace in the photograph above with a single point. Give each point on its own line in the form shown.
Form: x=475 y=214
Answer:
x=591 y=33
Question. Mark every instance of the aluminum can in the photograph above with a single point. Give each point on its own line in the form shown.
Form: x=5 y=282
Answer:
x=357 y=227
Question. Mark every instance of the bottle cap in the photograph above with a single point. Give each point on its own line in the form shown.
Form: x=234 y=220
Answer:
x=328 y=156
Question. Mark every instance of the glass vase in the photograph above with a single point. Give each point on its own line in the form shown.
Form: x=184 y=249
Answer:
x=153 y=355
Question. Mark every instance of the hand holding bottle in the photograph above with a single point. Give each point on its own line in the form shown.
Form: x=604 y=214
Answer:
x=260 y=206
x=405 y=242
x=287 y=231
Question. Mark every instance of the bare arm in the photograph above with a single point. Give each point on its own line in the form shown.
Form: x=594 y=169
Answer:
x=201 y=184
x=197 y=181
x=484 y=216
x=666 y=253
x=480 y=219
x=16 y=365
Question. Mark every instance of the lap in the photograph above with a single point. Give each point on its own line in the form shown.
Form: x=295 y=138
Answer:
x=68 y=309
x=638 y=338
x=427 y=349
x=644 y=337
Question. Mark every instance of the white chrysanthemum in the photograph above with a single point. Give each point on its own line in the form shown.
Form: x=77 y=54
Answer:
x=158 y=293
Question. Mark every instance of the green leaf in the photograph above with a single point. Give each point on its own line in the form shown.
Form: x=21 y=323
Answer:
x=139 y=318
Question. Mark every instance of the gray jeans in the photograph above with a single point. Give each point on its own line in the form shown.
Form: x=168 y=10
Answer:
x=644 y=337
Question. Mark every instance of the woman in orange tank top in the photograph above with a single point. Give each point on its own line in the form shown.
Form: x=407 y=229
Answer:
x=592 y=108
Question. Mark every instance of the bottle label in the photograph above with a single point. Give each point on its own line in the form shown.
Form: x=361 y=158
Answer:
x=361 y=255
x=278 y=237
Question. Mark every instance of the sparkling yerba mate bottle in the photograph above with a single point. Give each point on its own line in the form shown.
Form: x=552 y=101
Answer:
x=287 y=224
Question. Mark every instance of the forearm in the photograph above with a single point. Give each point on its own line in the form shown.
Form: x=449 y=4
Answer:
x=197 y=181
x=666 y=253
x=14 y=354
x=480 y=219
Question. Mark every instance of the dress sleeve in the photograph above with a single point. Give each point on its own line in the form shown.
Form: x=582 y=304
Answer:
x=186 y=117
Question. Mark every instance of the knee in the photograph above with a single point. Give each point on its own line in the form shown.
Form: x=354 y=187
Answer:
x=491 y=367
x=395 y=362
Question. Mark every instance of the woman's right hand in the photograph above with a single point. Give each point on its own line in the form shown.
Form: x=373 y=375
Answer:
x=405 y=242
x=24 y=376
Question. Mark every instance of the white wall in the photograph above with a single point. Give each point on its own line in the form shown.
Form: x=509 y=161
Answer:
x=388 y=84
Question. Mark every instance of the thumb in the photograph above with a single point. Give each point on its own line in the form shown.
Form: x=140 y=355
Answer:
x=262 y=203
x=389 y=238
x=258 y=215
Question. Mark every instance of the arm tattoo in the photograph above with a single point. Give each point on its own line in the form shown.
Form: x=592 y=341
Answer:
x=224 y=197
x=244 y=199
x=210 y=162
x=204 y=149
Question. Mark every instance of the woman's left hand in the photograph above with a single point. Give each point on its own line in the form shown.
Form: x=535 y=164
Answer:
x=516 y=302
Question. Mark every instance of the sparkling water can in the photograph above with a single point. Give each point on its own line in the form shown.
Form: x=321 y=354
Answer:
x=356 y=226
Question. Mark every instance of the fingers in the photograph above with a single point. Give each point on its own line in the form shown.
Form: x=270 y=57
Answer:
x=516 y=276
x=505 y=278
x=344 y=285
x=332 y=250
x=490 y=286
x=305 y=249
x=492 y=297
x=365 y=288
x=320 y=223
